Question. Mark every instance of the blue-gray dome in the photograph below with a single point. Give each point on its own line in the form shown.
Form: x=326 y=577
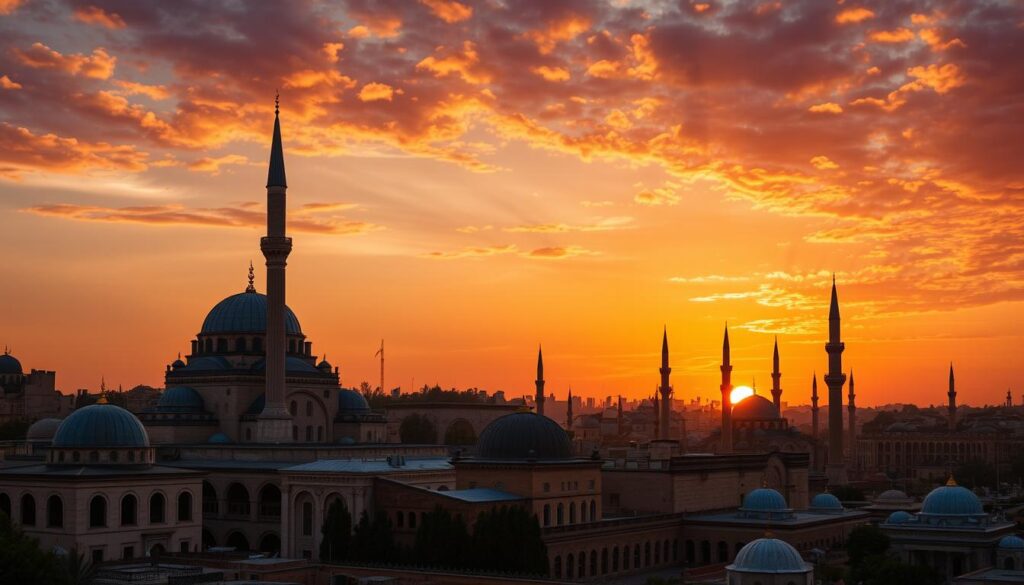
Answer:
x=43 y=429
x=764 y=500
x=523 y=436
x=768 y=555
x=219 y=439
x=10 y=364
x=351 y=402
x=180 y=399
x=892 y=496
x=100 y=425
x=826 y=501
x=292 y=365
x=952 y=500
x=1012 y=542
x=245 y=312
x=899 y=517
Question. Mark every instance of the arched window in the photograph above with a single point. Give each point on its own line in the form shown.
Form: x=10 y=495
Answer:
x=593 y=563
x=547 y=515
x=129 y=510
x=636 y=556
x=238 y=500
x=210 y=505
x=582 y=565
x=270 y=501
x=28 y=510
x=412 y=519
x=400 y=519
x=604 y=561
x=320 y=433
x=55 y=512
x=558 y=568
x=5 y=504
x=184 y=506
x=295 y=432
x=156 y=508
x=248 y=434
x=209 y=345
x=625 y=558
x=309 y=433
x=293 y=408
x=593 y=511
x=97 y=512
x=560 y=514
x=307 y=519
x=615 y=559
x=647 y=554
x=222 y=345
x=569 y=565
x=572 y=512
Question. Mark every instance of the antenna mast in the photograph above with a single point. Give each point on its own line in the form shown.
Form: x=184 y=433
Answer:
x=380 y=352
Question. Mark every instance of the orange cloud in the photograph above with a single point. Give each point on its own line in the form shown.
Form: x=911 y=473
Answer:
x=6 y=83
x=99 y=65
x=552 y=73
x=332 y=51
x=941 y=78
x=9 y=6
x=851 y=15
x=601 y=225
x=95 y=15
x=657 y=196
x=900 y=35
x=603 y=69
x=376 y=91
x=826 y=108
x=563 y=29
x=21 y=150
x=448 y=10
x=559 y=252
x=156 y=92
x=933 y=38
x=213 y=165
x=823 y=163
x=473 y=252
x=308 y=78
x=465 y=63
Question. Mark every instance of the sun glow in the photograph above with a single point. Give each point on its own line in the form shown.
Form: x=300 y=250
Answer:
x=739 y=393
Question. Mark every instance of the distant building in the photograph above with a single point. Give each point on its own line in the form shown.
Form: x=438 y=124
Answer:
x=29 y=396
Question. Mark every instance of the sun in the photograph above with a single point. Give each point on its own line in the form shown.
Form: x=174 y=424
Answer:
x=739 y=393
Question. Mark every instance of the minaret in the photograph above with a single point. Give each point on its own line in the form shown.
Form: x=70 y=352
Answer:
x=568 y=412
x=657 y=416
x=1009 y=399
x=275 y=422
x=776 y=376
x=540 y=381
x=952 y=399
x=665 y=389
x=726 y=388
x=621 y=422
x=851 y=409
x=835 y=379
x=814 y=420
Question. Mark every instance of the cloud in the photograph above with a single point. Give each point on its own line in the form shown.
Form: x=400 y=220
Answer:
x=449 y=10
x=213 y=165
x=6 y=83
x=657 y=196
x=156 y=92
x=900 y=35
x=372 y=92
x=98 y=65
x=473 y=252
x=826 y=108
x=603 y=224
x=853 y=15
x=9 y=6
x=463 y=61
x=552 y=73
x=22 y=151
x=559 y=252
x=823 y=163
x=95 y=15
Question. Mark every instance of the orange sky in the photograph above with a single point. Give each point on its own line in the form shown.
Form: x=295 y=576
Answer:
x=467 y=180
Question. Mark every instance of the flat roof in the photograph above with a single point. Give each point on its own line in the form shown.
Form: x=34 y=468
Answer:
x=61 y=471
x=799 y=518
x=374 y=466
x=479 y=495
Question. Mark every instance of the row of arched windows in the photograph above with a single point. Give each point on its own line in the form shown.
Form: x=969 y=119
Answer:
x=561 y=516
x=614 y=560
x=238 y=503
x=98 y=509
x=243 y=344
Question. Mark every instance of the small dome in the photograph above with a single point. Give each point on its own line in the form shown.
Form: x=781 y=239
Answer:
x=10 y=364
x=951 y=500
x=351 y=402
x=764 y=500
x=523 y=436
x=101 y=425
x=768 y=555
x=177 y=364
x=245 y=312
x=219 y=439
x=1012 y=542
x=755 y=407
x=43 y=429
x=892 y=496
x=180 y=399
x=325 y=366
x=900 y=517
x=826 y=501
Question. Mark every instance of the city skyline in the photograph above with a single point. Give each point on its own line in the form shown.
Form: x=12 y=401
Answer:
x=467 y=231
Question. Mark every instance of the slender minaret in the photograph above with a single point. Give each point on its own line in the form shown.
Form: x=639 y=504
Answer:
x=726 y=388
x=851 y=408
x=952 y=399
x=657 y=416
x=665 y=389
x=540 y=381
x=568 y=412
x=275 y=422
x=776 y=377
x=814 y=421
x=835 y=379
x=1009 y=399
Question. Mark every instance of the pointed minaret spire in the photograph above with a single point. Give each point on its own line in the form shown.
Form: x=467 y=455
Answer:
x=835 y=379
x=275 y=175
x=776 y=377
x=951 y=395
x=568 y=411
x=726 y=388
x=540 y=380
x=665 y=410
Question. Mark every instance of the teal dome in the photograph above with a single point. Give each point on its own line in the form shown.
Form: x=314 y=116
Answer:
x=352 y=402
x=1012 y=542
x=180 y=399
x=951 y=500
x=764 y=500
x=219 y=439
x=100 y=425
x=523 y=436
x=900 y=517
x=245 y=312
x=10 y=364
x=826 y=501
x=768 y=555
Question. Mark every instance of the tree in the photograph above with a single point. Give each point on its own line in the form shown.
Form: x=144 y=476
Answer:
x=509 y=539
x=373 y=540
x=866 y=541
x=441 y=540
x=870 y=563
x=77 y=568
x=337 y=532
x=22 y=561
x=417 y=428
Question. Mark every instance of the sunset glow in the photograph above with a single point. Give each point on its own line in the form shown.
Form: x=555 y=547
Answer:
x=739 y=393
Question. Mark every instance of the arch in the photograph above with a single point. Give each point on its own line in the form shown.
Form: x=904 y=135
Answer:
x=417 y=428
x=572 y=512
x=157 y=505
x=723 y=551
x=581 y=565
x=625 y=558
x=185 y=506
x=593 y=562
x=5 y=504
x=547 y=514
x=210 y=505
x=97 y=512
x=240 y=345
x=691 y=554
x=556 y=569
x=270 y=501
x=400 y=519
x=636 y=556
x=156 y=550
x=222 y=345
x=293 y=408
x=615 y=559
x=604 y=561
x=647 y=554
x=55 y=512
x=664 y=551
x=583 y=511
x=307 y=518
x=705 y=552
x=257 y=344
x=208 y=539
x=460 y=432
x=237 y=540
x=270 y=543
x=1008 y=564
x=412 y=519
x=560 y=514
x=593 y=511
x=238 y=500
x=569 y=565
x=209 y=345
x=129 y=510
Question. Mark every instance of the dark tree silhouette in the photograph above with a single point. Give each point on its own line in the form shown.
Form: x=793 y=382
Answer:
x=975 y=473
x=441 y=540
x=417 y=428
x=22 y=561
x=509 y=539
x=373 y=540
x=337 y=532
x=866 y=541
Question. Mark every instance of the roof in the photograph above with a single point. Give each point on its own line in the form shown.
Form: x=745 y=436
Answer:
x=764 y=500
x=180 y=399
x=245 y=312
x=9 y=364
x=371 y=466
x=275 y=173
x=951 y=500
x=480 y=495
x=768 y=555
x=101 y=425
x=755 y=407
x=351 y=402
x=826 y=501
x=1012 y=541
x=43 y=429
x=74 y=471
x=523 y=436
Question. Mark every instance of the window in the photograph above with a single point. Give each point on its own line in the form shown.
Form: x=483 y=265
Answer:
x=129 y=507
x=593 y=511
x=76 y=456
x=222 y=345
x=5 y=504
x=28 y=510
x=295 y=432
x=547 y=487
x=183 y=547
x=307 y=519
x=156 y=508
x=572 y=512
x=248 y=434
x=97 y=556
x=547 y=514
x=55 y=512
x=98 y=514
x=560 y=515
x=320 y=434
x=412 y=519
x=400 y=519
x=293 y=408
x=184 y=507
x=309 y=408
x=309 y=433
x=240 y=344
x=128 y=552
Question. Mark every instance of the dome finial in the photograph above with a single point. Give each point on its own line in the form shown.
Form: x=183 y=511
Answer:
x=252 y=277
x=951 y=482
x=102 y=399
x=277 y=102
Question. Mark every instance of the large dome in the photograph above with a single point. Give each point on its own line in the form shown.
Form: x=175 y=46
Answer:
x=826 y=501
x=9 y=364
x=100 y=425
x=952 y=500
x=180 y=399
x=764 y=500
x=523 y=436
x=43 y=429
x=1012 y=541
x=892 y=496
x=245 y=312
x=768 y=555
x=754 y=407
x=352 y=402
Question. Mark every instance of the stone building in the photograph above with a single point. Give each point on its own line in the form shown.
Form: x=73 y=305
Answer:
x=29 y=396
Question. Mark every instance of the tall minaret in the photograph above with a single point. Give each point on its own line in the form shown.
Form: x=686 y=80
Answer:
x=726 y=388
x=665 y=389
x=814 y=421
x=274 y=424
x=568 y=412
x=776 y=376
x=835 y=379
x=1009 y=399
x=657 y=416
x=952 y=399
x=540 y=381
x=851 y=408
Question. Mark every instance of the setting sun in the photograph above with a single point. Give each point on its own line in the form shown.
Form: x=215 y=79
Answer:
x=739 y=393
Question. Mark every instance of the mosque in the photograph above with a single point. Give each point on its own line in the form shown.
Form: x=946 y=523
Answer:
x=32 y=394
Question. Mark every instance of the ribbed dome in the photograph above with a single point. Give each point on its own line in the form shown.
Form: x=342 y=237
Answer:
x=826 y=502
x=43 y=429
x=1012 y=542
x=754 y=407
x=101 y=425
x=180 y=399
x=351 y=402
x=10 y=364
x=892 y=496
x=245 y=312
x=768 y=555
x=764 y=500
x=900 y=517
x=952 y=500
x=523 y=436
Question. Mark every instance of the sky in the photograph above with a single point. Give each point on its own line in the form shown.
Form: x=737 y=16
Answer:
x=468 y=180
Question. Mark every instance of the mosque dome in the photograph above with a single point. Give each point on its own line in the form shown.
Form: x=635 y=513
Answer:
x=892 y=496
x=826 y=501
x=177 y=364
x=351 y=402
x=10 y=364
x=219 y=439
x=324 y=366
x=292 y=365
x=101 y=425
x=768 y=555
x=1012 y=542
x=180 y=399
x=899 y=517
x=523 y=436
x=754 y=407
x=764 y=500
x=245 y=312
x=43 y=429
x=951 y=500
